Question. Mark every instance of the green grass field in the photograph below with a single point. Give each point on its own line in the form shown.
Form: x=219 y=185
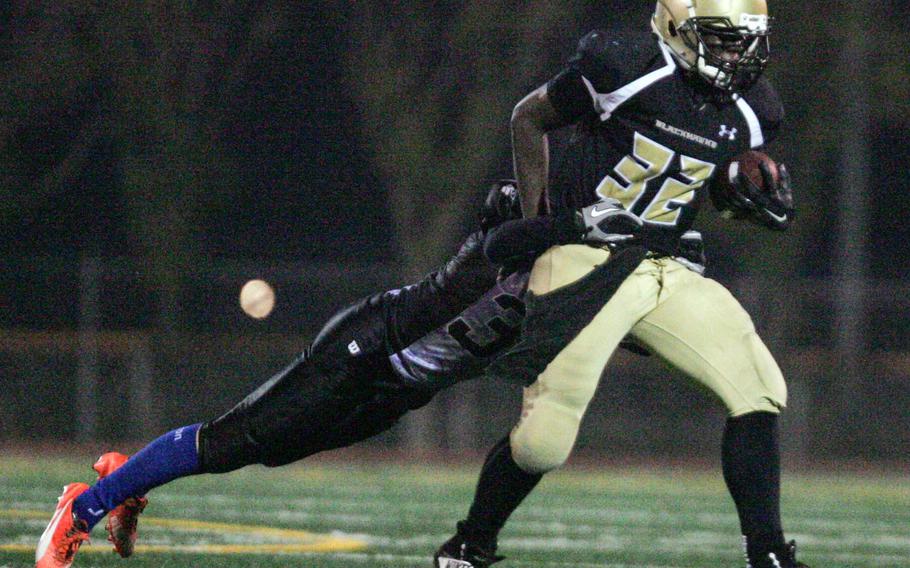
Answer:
x=335 y=515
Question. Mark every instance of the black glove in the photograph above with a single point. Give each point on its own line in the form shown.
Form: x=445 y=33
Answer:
x=500 y=205
x=607 y=222
x=771 y=207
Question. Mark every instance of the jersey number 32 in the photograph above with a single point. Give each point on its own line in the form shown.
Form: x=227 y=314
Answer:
x=643 y=194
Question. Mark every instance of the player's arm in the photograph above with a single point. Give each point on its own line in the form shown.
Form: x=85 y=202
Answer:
x=530 y=237
x=770 y=205
x=532 y=118
x=566 y=99
x=605 y=222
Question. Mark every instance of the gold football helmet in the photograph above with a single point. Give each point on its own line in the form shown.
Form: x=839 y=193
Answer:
x=724 y=41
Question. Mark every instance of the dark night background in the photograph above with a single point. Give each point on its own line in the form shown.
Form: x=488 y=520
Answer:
x=174 y=151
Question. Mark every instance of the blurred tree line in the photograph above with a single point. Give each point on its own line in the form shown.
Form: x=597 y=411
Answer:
x=137 y=127
x=170 y=130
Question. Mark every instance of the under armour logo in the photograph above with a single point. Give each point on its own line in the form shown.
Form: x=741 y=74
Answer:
x=353 y=348
x=728 y=133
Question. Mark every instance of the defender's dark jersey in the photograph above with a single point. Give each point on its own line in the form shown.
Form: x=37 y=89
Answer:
x=401 y=316
x=648 y=134
x=435 y=333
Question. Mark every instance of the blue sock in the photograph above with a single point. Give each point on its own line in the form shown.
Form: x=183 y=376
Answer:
x=169 y=457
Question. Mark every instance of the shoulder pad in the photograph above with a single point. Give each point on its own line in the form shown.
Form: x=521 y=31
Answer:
x=612 y=59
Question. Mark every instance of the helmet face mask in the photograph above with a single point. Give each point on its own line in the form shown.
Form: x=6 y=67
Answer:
x=711 y=38
x=724 y=42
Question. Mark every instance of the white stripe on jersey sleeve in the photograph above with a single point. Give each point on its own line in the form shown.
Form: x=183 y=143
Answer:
x=757 y=138
x=605 y=104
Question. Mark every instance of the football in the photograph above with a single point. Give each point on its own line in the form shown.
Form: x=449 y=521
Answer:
x=747 y=163
x=724 y=183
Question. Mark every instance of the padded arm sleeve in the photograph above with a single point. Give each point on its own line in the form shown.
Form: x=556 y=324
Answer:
x=530 y=237
x=414 y=311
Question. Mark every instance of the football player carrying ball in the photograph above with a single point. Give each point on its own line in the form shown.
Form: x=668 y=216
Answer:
x=657 y=115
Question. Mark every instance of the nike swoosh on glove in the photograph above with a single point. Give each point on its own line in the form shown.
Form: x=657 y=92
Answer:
x=771 y=207
x=607 y=222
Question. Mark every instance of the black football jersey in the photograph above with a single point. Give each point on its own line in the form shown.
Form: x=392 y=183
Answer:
x=647 y=133
x=387 y=322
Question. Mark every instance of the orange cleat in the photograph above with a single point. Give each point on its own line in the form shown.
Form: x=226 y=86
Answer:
x=122 y=521
x=65 y=534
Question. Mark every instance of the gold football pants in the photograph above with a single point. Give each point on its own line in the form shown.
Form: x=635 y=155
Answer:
x=691 y=322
